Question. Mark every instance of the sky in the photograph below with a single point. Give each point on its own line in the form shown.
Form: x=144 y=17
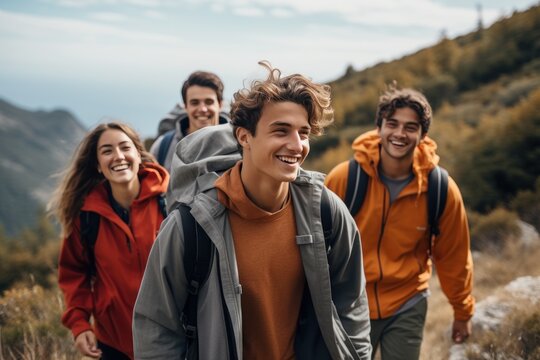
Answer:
x=126 y=59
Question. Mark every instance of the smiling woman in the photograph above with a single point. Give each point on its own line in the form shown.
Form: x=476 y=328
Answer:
x=112 y=177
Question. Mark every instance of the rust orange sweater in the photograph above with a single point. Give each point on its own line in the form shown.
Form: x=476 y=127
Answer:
x=270 y=271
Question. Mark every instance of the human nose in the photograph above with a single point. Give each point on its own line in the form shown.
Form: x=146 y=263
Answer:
x=119 y=154
x=400 y=130
x=295 y=143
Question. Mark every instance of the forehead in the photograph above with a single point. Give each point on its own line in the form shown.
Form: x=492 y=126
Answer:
x=112 y=137
x=196 y=92
x=405 y=114
x=286 y=112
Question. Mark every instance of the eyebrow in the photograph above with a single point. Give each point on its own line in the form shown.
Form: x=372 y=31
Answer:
x=283 y=123
x=109 y=145
x=407 y=122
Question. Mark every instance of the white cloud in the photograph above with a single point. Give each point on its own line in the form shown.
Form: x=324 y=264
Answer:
x=153 y=14
x=281 y=13
x=248 y=11
x=107 y=17
x=86 y=3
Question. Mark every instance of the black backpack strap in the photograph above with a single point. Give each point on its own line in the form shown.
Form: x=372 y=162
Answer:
x=164 y=146
x=162 y=204
x=326 y=219
x=89 y=222
x=437 y=193
x=198 y=258
x=357 y=182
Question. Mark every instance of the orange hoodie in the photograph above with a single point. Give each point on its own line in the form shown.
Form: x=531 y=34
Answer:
x=394 y=236
x=121 y=252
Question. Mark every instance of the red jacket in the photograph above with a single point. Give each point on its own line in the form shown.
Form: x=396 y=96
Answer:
x=394 y=237
x=121 y=252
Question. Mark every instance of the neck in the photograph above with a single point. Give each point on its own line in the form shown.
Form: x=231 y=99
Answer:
x=126 y=194
x=270 y=197
x=395 y=169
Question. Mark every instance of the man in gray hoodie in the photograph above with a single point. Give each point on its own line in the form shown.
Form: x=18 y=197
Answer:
x=276 y=290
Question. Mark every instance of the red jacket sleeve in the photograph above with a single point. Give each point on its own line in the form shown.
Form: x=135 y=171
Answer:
x=74 y=283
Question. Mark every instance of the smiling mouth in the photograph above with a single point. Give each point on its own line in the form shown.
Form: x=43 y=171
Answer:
x=398 y=143
x=289 y=159
x=120 y=167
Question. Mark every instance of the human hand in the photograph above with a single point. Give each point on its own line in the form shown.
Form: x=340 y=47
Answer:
x=86 y=343
x=461 y=330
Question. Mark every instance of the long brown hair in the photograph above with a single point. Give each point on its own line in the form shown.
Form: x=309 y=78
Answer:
x=82 y=174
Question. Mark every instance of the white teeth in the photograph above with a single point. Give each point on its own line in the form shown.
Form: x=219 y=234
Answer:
x=120 y=167
x=397 y=143
x=288 y=159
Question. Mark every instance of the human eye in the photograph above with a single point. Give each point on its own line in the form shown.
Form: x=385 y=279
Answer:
x=304 y=134
x=280 y=131
x=209 y=102
x=412 y=127
x=391 y=124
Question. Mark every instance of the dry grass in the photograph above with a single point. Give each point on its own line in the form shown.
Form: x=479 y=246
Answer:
x=491 y=271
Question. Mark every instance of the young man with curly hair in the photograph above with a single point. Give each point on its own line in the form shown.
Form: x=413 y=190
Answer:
x=393 y=222
x=275 y=290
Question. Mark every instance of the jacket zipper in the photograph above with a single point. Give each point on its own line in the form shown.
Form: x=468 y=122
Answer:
x=379 y=244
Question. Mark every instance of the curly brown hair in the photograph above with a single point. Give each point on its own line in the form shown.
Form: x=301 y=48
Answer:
x=82 y=174
x=395 y=98
x=248 y=104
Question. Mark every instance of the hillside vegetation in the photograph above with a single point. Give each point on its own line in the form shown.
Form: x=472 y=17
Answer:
x=485 y=91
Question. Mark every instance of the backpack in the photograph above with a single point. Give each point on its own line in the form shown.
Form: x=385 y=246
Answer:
x=167 y=128
x=164 y=146
x=199 y=255
x=90 y=229
x=357 y=182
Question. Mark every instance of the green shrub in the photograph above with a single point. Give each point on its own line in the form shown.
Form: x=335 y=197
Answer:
x=30 y=325
x=527 y=205
x=490 y=232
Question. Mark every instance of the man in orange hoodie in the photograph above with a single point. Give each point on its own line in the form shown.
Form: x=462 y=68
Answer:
x=392 y=221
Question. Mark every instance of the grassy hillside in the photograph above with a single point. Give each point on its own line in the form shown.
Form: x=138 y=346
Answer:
x=484 y=88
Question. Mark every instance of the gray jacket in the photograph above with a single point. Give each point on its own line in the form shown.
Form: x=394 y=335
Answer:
x=334 y=320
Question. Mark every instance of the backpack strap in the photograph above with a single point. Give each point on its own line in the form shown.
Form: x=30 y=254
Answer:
x=357 y=182
x=326 y=219
x=164 y=146
x=198 y=258
x=89 y=229
x=437 y=193
x=162 y=205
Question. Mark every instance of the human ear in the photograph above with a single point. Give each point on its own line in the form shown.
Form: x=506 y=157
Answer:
x=243 y=136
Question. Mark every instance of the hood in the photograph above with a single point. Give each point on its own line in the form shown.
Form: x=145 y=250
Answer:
x=182 y=122
x=208 y=151
x=366 y=149
x=154 y=180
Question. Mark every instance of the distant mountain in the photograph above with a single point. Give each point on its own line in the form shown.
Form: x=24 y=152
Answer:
x=34 y=145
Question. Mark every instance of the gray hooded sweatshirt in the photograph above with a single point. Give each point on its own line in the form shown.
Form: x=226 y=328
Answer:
x=334 y=318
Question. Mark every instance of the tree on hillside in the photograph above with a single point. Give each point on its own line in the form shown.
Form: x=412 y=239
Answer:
x=504 y=159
